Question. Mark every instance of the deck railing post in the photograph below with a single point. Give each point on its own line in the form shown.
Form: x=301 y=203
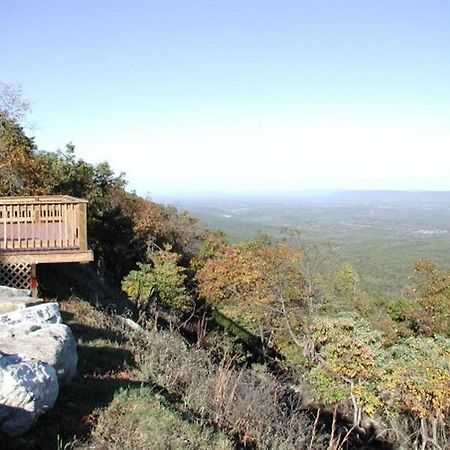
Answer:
x=5 y=237
x=82 y=225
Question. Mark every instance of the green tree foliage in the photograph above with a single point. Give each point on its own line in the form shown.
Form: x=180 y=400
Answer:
x=346 y=283
x=160 y=283
x=110 y=230
x=342 y=292
x=73 y=176
x=212 y=243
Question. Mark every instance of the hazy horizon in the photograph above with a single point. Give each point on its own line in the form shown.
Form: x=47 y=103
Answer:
x=199 y=194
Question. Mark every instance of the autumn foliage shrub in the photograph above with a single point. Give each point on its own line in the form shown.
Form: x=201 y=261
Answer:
x=398 y=386
x=260 y=285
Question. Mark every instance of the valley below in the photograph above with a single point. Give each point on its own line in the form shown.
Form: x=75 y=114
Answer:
x=381 y=233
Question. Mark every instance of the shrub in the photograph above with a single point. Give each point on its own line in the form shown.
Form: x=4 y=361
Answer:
x=161 y=282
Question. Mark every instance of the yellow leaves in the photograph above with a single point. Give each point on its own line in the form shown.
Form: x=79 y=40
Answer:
x=261 y=278
x=410 y=377
x=419 y=381
x=252 y=271
x=365 y=395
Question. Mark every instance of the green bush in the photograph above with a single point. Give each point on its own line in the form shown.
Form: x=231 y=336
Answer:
x=162 y=282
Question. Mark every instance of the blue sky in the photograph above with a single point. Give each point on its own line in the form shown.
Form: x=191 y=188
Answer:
x=240 y=95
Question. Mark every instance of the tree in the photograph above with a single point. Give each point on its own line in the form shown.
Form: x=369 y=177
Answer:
x=212 y=244
x=427 y=309
x=343 y=290
x=20 y=172
x=260 y=285
x=13 y=107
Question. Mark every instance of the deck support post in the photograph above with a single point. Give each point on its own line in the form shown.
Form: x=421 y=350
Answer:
x=33 y=281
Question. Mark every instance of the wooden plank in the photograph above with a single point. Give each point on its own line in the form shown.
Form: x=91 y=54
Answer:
x=26 y=226
x=41 y=199
x=66 y=237
x=46 y=257
x=60 y=241
x=4 y=227
x=45 y=212
x=10 y=239
x=30 y=216
x=74 y=225
x=37 y=224
x=18 y=213
x=52 y=222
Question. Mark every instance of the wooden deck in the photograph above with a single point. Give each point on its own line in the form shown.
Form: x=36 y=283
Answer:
x=46 y=229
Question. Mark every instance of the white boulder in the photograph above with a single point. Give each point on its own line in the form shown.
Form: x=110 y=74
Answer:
x=13 y=292
x=27 y=389
x=53 y=344
x=43 y=313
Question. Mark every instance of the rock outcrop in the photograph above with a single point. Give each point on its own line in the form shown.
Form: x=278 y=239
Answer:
x=37 y=355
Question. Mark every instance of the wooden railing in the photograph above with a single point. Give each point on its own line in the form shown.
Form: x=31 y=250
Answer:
x=42 y=223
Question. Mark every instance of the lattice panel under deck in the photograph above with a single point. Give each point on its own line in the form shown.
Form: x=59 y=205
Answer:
x=15 y=275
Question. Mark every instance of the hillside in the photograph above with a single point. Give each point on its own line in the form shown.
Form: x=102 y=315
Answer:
x=153 y=388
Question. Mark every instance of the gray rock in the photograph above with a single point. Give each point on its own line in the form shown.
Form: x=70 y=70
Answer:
x=10 y=304
x=125 y=321
x=13 y=292
x=53 y=344
x=27 y=389
x=43 y=313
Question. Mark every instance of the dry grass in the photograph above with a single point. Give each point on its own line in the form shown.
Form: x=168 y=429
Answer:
x=250 y=405
x=139 y=419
